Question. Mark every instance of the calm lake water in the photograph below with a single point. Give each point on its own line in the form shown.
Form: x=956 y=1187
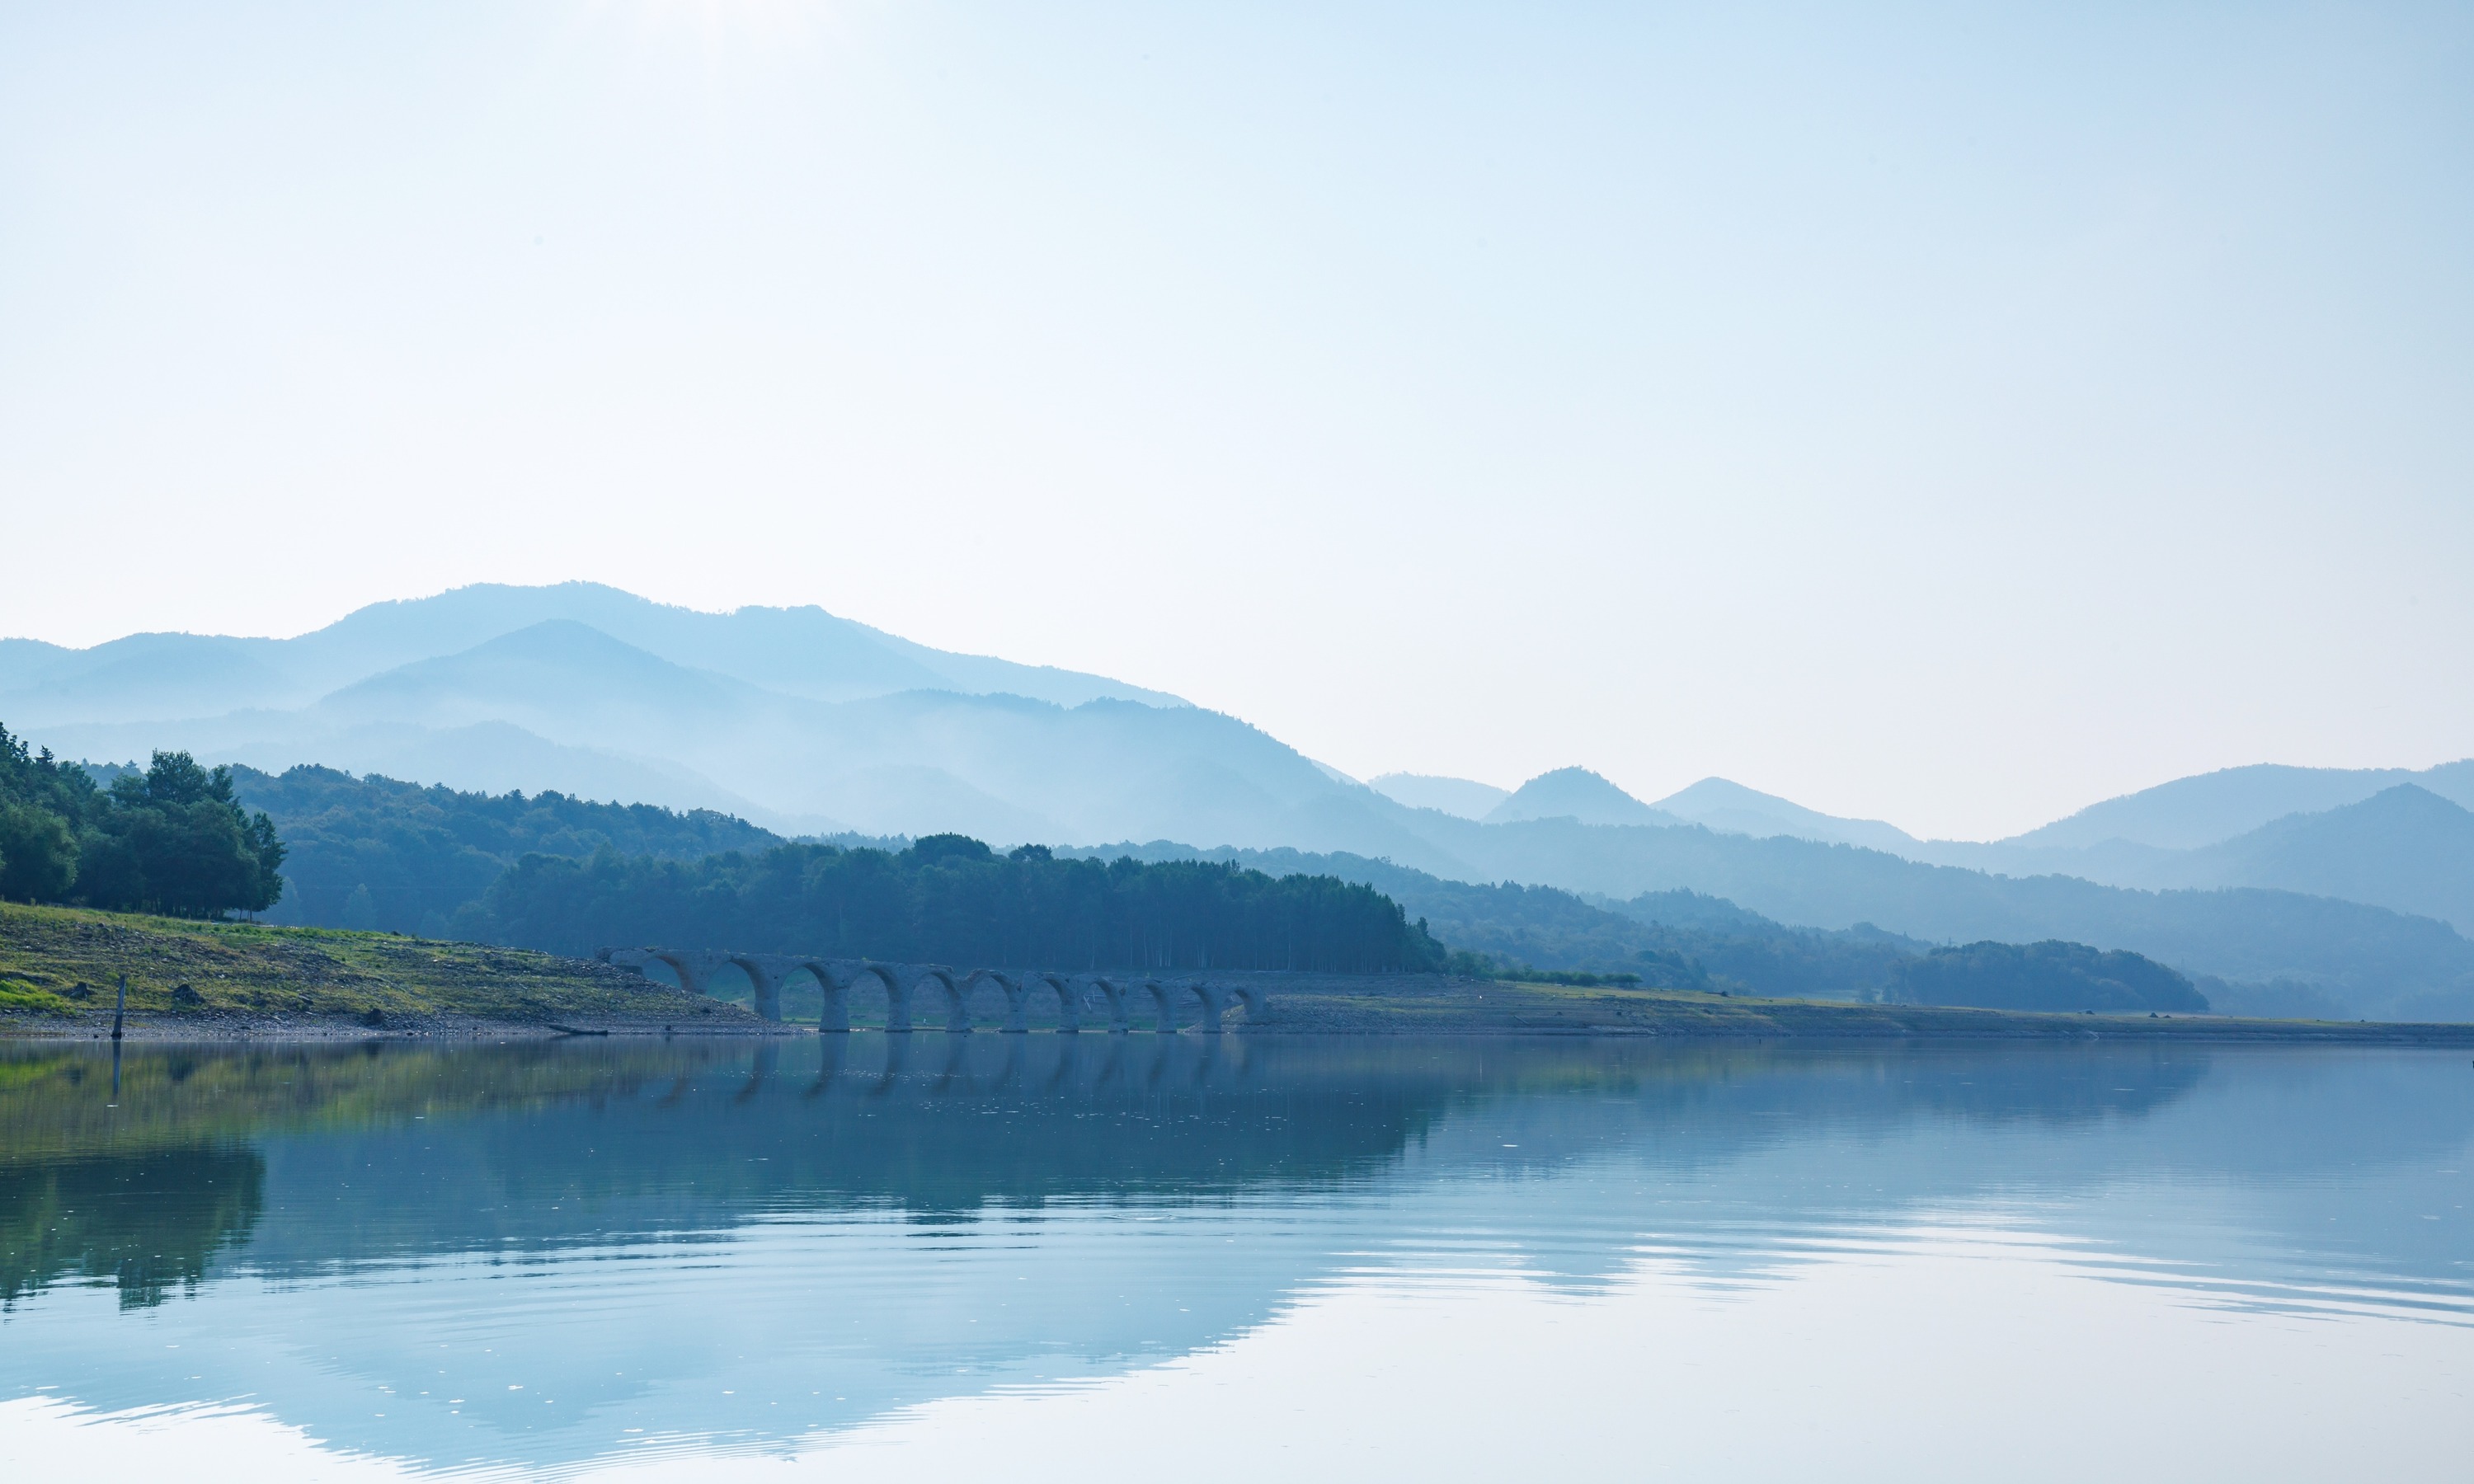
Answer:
x=865 y=1258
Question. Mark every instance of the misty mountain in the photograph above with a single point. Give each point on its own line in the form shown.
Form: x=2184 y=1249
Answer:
x=597 y=717
x=2202 y=810
x=2404 y=848
x=802 y=652
x=1575 y=794
x=2144 y=839
x=2401 y=846
x=1732 y=809
x=1461 y=798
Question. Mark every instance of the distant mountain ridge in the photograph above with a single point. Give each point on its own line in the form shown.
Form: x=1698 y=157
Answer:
x=2404 y=848
x=577 y=687
x=804 y=723
x=2392 y=840
x=801 y=651
x=2210 y=807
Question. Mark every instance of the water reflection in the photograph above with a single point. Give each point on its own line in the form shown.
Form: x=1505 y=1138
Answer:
x=542 y=1253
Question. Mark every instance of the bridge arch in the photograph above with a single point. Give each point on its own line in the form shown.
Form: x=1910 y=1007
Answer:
x=1069 y=1004
x=958 y=1010
x=765 y=984
x=1119 y=1021
x=1017 y=997
x=897 y=995
x=1215 y=1003
x=1168 y=996
x=1257 y=1003
x=840 y=978
x=832 y=1017
x=1163 y=1003
x=681 y=964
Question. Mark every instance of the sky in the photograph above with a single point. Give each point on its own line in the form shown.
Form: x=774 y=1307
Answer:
x=1950 y=414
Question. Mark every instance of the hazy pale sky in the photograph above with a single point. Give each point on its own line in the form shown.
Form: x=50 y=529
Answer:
x=1949 y=414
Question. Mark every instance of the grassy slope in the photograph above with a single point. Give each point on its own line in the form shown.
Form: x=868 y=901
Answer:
x=242 y=972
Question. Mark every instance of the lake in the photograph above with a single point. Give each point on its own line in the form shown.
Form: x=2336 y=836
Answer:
x=872 y=1257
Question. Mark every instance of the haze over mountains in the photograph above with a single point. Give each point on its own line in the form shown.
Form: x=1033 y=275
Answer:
x=810 y=724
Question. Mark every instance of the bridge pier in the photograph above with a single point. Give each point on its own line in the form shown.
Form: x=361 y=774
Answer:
x=897 y=999
x=833 y=1018
x=1119 y=1022
x=1069 y=1005
x=1164 y=1000
x=767 y=987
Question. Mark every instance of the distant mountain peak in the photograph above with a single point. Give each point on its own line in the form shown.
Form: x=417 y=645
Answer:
x=1579 y=794
x=1731 y=809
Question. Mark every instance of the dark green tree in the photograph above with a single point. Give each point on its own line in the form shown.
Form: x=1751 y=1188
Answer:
x=37 y=853
x=42 y=803
x=173 y=840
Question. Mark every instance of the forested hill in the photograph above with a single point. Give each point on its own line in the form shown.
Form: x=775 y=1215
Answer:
x=375 y=853
x=951 y=899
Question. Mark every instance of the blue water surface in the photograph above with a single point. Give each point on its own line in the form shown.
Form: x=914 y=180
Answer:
x=867 y=1255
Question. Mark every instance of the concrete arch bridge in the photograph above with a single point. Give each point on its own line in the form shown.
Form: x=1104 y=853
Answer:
x=933 y=988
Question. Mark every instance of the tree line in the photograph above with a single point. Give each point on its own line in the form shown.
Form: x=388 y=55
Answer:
x=2049 y=975
x=171 y=839
x=951 y=899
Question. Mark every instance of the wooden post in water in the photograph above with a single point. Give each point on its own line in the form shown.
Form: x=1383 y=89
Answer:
x=119 y=1007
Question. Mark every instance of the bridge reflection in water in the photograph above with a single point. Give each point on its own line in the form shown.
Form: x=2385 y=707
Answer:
x=1024 y=991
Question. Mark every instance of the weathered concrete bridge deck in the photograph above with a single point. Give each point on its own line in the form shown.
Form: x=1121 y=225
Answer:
x=951 y=988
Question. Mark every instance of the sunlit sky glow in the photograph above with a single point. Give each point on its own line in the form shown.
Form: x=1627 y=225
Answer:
x=1950 y=414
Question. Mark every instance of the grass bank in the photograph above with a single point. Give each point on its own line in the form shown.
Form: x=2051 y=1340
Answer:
x=58 y=966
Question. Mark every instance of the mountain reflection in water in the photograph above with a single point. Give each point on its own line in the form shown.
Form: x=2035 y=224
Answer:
x=541 y=1253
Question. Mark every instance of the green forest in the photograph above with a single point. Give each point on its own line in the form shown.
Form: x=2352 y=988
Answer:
x=171 y=839
x=952 y=899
